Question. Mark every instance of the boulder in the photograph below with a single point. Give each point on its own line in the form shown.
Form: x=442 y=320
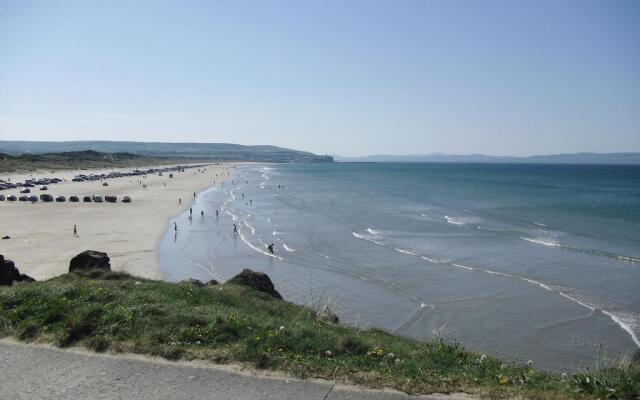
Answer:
x=256 y=280
x=90 y=259
x=212 y=282
x=10 y=274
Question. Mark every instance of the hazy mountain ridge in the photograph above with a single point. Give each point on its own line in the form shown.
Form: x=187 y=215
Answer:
x=212 y=151
x=574 y=158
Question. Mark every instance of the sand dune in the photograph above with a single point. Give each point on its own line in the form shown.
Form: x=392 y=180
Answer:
x=42 y=241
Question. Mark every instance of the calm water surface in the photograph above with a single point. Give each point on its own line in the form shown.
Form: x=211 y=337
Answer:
x=537 y=262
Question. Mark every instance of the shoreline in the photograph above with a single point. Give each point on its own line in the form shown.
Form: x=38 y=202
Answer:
x=41 y=235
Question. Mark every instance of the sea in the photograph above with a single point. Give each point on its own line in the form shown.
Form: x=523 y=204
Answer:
x=519 y=261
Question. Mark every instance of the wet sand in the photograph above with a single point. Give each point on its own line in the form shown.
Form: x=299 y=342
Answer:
x=42 y=241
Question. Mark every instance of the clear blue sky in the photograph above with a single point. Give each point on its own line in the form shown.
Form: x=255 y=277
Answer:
x=337 y=77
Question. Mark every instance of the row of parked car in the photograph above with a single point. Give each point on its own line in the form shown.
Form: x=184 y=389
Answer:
x=135 y=172
x=29 y=183
x=47 y=198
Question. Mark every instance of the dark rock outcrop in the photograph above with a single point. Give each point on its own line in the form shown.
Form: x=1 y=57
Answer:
x=212 y=282
x=10 y=274
x=88 y=260
x=256 y=280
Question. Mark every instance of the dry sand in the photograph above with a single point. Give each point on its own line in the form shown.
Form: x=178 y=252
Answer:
x=42 y=242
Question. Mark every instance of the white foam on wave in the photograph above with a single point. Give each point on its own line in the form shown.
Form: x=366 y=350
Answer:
x=287 y=248
x=253 y=231
x=405 y=251
x=453 y=221
x=364 y=237
x=542 y=241
x=275 y=233
x=256 y=248
x=629 y=259
x=540 y=224
x=372 y=231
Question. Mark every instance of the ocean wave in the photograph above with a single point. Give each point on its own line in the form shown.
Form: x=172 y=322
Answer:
x=453 y=221
x=256 y=248
x=405 y=251
x=364 y=237
x=540 y=224
x=542 y=241
x=253 y=231
x=287 y=248
x=596 y=252
x=372 y=231
x=275 y=233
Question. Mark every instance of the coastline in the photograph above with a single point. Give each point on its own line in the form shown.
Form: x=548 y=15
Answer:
x=42 y=241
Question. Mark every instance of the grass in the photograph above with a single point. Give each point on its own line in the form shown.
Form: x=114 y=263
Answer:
x=119 y=313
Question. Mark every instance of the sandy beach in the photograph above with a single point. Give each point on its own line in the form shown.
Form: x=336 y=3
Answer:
x=42 y=241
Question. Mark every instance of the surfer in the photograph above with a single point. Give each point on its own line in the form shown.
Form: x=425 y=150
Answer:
x=270 y=247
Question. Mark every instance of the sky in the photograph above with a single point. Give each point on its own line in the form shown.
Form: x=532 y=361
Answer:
x=332 y=77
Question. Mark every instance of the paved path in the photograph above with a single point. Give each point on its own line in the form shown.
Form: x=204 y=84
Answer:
x=37 y=372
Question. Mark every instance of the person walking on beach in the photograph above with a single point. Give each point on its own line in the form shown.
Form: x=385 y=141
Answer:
x=190 y=212
x=202 y=213
x=175 y=227
x=216 y=213
x=235 y=230
x=179 y=201
x=75 y=231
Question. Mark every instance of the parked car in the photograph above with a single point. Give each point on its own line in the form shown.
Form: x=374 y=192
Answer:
x=47 y=198
x=25 y=190
x=23 y=198
x=111 y=199
x=126 y=199
x=105 y=184
x=44 y=187
x=60 y=199
x=12 y=198
x=97 y=199
x=2 y=197
x=86 y=199
x=33 y=198
x=74 y=199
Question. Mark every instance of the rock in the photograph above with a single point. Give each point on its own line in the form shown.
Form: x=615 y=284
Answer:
x=10 y=274
x=212 y=282
x=90 y=259
x=256 y=280
x=333 y=319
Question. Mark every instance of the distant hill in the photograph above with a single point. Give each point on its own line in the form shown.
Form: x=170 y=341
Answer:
x=201 y=151
x=576 y=158
x=77 y=159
